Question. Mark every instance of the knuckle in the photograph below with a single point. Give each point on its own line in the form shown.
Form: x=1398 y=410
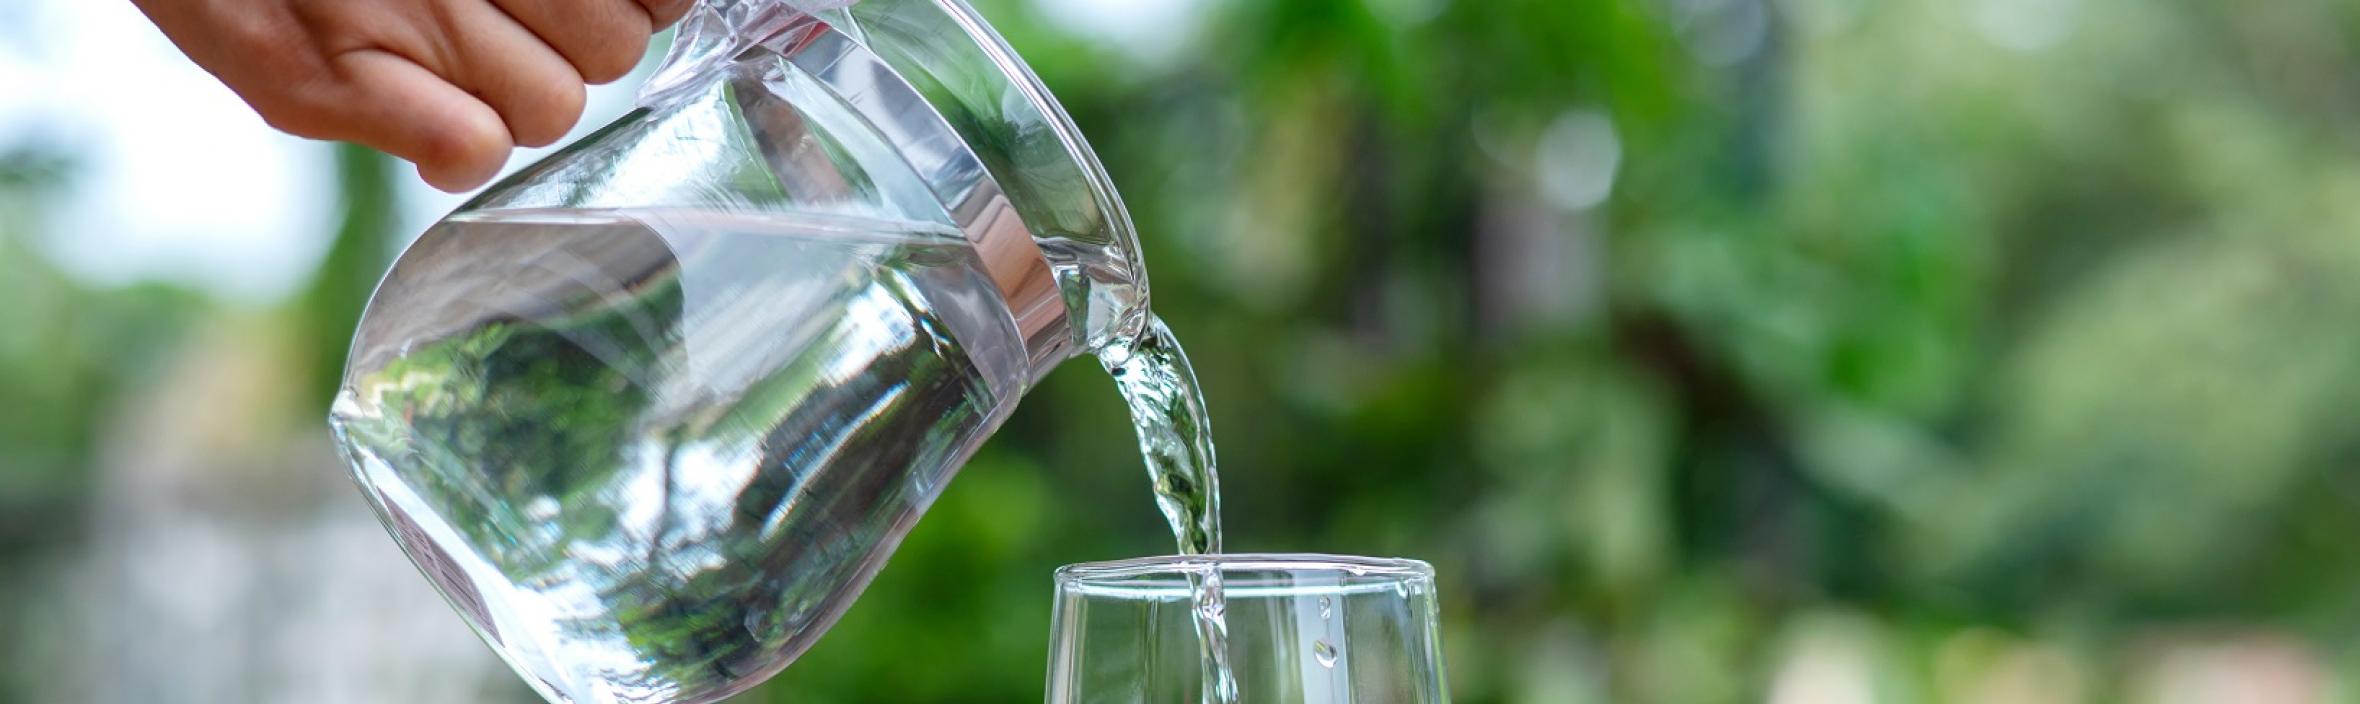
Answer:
x=290 y=122
x=462 y=145
x=665 y=12
x=611 y=61
x=550 y=116
x=295 y=112
x=259 y=36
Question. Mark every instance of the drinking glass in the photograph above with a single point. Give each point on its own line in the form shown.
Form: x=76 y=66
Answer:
x=1313 y=629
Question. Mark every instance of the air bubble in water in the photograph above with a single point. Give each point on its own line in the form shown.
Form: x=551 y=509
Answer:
x=1212 y=609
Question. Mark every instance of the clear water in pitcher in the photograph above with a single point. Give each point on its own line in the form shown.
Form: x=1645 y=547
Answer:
x=631 y=412
x=626 y=407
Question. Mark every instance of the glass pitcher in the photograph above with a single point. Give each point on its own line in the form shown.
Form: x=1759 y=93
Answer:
x=654 y=410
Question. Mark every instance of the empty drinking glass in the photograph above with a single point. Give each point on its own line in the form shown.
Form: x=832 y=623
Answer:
x=1313 y=629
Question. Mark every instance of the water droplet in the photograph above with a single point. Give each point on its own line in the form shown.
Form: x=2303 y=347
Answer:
x=1324 y=653
x=1327 y=609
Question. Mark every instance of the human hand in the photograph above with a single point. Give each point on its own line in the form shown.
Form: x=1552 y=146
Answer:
x=451 y=85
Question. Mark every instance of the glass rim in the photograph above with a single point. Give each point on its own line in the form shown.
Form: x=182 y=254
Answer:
x=1245 y=575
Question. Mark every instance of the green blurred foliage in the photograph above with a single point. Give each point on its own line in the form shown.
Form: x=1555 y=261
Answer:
x=1960 y=344
x=67 y=352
